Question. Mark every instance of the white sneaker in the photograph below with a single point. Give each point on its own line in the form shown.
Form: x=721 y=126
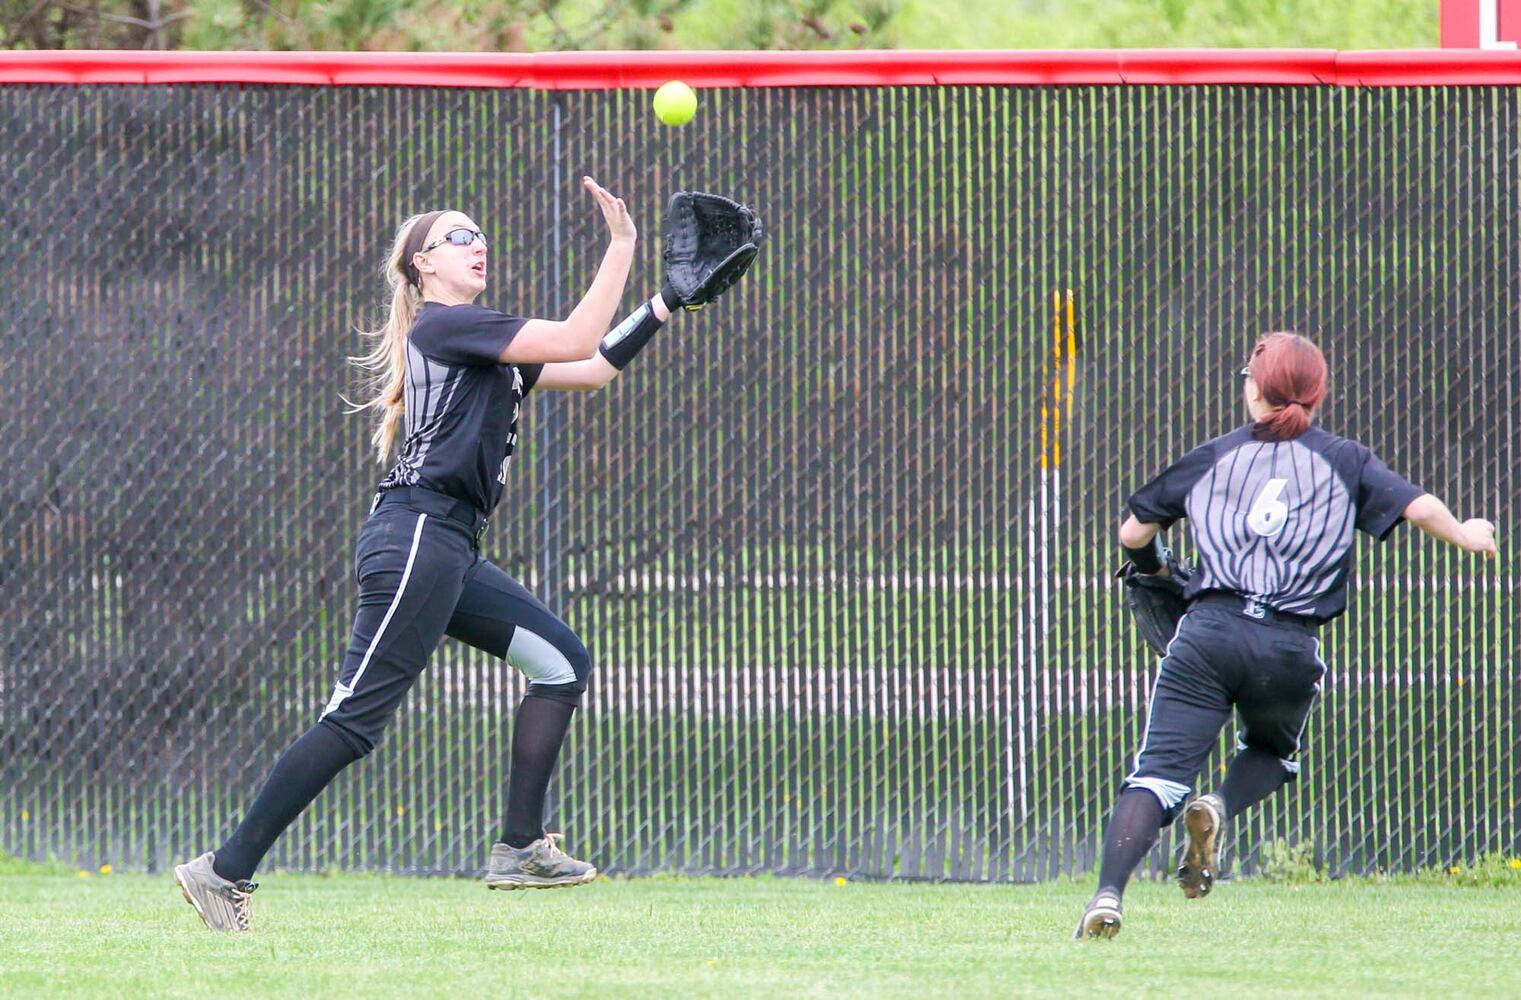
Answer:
x=223 y=905
x=540 y=865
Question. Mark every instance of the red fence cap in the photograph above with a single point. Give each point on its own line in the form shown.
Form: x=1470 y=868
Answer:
x=1431 y=67
x=616 y=70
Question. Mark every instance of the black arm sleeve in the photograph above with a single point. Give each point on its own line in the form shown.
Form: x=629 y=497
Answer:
x=629 y=337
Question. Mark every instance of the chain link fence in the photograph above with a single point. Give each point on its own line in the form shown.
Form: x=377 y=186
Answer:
x=841 y=545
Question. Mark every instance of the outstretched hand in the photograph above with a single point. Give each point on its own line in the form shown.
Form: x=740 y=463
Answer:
x=619 y=225
x=1479 y=536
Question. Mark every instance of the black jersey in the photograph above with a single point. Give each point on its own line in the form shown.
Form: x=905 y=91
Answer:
x=1273 y=520
x=462 y=403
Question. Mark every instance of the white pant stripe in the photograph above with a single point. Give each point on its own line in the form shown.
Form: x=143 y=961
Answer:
x=342 y=691
x=1151 y=696
x=1292 y=766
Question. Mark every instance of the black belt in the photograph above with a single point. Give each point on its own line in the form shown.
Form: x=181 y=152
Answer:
x=1255 y=610
x=440 y=504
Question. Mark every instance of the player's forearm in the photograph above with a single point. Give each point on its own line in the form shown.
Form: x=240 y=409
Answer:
x=1134 y=534
x=579 y=376
x=591 y=317
x=1432 y=516
x=1142 y=547
x=624 y=341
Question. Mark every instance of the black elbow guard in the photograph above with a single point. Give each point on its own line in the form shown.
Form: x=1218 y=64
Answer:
x=627 y=338
x=1149 y=558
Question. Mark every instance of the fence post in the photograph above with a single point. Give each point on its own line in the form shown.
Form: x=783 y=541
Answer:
x=551 y=543
x=552 y=536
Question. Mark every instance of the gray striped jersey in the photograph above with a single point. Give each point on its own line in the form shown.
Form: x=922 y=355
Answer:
x=462 y=403
x=1273 y=520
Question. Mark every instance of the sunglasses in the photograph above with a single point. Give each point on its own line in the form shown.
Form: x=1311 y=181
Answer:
x=458 y=237
x=1244 y=374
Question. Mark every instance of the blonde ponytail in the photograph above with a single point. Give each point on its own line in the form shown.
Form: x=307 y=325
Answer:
x=384 y=369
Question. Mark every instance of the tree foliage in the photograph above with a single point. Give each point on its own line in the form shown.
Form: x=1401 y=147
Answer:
x=539 y=25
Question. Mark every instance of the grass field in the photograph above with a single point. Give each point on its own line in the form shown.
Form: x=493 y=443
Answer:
x=132 y=935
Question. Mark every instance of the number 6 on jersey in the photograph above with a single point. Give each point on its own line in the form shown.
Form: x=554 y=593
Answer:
x=1269 y=514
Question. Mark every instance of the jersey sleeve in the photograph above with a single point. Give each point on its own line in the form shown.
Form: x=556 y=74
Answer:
x=531 y=375
x=466 y=335
x=1163 y=500
x=1382 y=496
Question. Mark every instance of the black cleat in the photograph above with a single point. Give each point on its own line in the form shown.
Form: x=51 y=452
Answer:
x=1101 y=919
x=1204 y=819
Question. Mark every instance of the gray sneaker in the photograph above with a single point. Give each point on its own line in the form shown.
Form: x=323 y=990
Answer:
x=1101 y=919
x=1204 y=819
x=223 y=905
x=540 y=865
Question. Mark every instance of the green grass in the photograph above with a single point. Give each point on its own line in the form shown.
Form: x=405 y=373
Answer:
x=131 y=935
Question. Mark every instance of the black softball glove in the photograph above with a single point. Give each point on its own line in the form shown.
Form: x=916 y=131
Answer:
x=1156 y=600
x=710 y=242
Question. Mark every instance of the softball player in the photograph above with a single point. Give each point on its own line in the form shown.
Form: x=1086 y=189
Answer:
x=451 y=377
x=1272 y=508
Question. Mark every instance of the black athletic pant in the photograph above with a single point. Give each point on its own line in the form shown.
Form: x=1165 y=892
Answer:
x=1224 y=656
x=421 y=577
x=1226 y=653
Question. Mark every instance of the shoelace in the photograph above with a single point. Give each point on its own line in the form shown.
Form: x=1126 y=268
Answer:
x=554 y=852
x=238 y=895
x=242 y=912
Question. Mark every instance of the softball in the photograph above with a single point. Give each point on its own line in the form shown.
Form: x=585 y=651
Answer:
x=675 y=103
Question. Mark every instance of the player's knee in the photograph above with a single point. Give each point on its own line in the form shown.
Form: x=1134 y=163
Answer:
x=568 y=694
x=1266 y=754
x=1171 y=794
x=359 y=742
x=581 y=662
x=554 y=660
x=577 y=656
